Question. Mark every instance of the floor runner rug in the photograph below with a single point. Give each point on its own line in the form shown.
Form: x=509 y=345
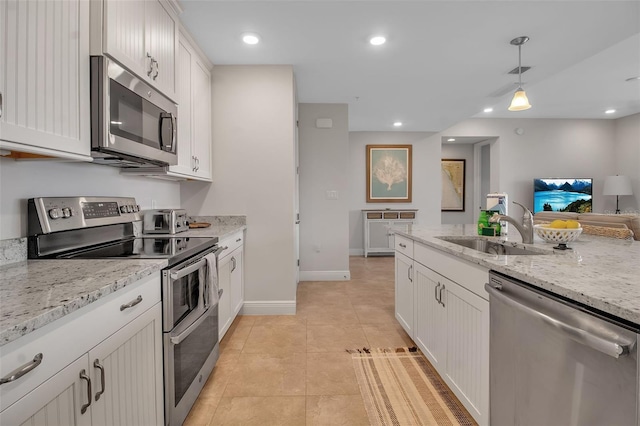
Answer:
x=401 y=388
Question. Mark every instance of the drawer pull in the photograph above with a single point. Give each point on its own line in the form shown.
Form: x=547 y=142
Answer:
x=22 y=370
x=83 y=376
x=402 y=245
x=100 y=367
x=131 y=304
x=240 y=239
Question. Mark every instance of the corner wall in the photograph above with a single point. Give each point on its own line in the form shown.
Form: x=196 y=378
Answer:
x=459 y=152
x=254 y=175
x=324 y=166
x=627 y=150
x=426 y=177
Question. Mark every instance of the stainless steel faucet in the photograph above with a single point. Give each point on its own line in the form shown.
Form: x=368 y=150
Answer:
x=525 y=229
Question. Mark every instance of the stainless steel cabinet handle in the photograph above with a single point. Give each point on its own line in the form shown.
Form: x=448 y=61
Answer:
x=608 y=347
x=400 y=244
x=409 y=273
x=83 y=376
x=22 y=370
x=189 y=269
x=240 y=239
x=150 y=64
x=233 y=260
x=0 y=104
x=440 y=295
x=157 y=70
x=176 y=340
x=100 y=367
x=132 y=303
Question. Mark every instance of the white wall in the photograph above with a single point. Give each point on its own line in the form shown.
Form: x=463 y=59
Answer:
x=426 y=176
x=20 y=180
x=627 y=151
x=324 y=166
x=548 y=148
x=253 y=175
x=461 y=152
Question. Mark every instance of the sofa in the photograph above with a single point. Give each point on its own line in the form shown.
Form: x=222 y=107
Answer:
x=613 y=225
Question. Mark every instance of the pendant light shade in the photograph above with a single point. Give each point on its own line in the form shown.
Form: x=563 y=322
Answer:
x=520 y=102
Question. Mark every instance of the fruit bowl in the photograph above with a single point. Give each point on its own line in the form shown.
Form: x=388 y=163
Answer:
x=557 y=235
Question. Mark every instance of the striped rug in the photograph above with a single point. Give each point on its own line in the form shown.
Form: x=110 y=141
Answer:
x=401 y=388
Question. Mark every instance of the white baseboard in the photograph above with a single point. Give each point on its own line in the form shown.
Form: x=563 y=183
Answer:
x=269 y=307
x=325 y=275
x=356 y=252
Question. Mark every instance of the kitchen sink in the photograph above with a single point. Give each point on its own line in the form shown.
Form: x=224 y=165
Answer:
x=492 y=247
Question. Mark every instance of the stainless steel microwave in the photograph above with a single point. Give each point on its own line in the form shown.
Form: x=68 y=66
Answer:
x=132 y=124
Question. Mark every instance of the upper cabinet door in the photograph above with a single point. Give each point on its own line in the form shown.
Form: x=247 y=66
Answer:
x=201 y=143
x=44 y=77
x=186 y=162
x=142 y=36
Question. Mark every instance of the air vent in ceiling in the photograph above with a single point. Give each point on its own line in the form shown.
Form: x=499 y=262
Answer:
x=515 y=70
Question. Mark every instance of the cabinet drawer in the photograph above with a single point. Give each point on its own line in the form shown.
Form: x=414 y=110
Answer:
x=68 y=338
x=232 y=243
x=404 y=245
x=467 y=274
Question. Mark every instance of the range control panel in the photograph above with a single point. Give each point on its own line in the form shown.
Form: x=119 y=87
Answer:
x=53 y=214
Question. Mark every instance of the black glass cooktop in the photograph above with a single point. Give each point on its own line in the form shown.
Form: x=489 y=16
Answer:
x=173 y=248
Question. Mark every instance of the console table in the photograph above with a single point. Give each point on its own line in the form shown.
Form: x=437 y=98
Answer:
x=377 y=238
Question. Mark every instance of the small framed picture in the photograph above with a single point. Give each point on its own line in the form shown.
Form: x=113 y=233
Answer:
x=389 y=173
x=453 y=174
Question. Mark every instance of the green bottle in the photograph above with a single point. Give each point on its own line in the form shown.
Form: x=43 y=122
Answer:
x=483 y=221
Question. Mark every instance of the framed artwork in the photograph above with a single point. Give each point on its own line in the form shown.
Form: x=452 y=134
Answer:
x=388 y=173
x=453 y=185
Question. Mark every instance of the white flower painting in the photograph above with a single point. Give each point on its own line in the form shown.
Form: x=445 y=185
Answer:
x=388 y=173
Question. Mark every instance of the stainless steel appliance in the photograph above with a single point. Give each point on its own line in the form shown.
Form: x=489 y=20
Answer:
x=167 y=221
x=132 y=124
x=555 y=362
x=105 y=227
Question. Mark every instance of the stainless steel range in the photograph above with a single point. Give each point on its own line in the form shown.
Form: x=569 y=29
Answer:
x=108 y=227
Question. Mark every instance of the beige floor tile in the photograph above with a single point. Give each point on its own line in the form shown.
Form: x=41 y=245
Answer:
x=368 y=314
x=209 y=398
x=278 y=320
x=268 y=375
x=235 y=337
x=246 y=320
x=331 y=373
x=386 y=336
x=329 y=314
x=260 y=411
x=335 y=337
x=276 y=339
x=336 y=410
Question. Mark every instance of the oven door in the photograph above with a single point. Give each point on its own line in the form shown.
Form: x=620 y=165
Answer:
x=190 y=355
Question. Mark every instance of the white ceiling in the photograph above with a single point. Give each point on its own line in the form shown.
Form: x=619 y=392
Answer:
x=443 y=61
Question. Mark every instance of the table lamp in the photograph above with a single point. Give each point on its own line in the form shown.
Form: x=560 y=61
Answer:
x=617 y=185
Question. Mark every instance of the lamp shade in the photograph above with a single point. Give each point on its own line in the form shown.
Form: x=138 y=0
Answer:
x=519 y=101
x=617 y=185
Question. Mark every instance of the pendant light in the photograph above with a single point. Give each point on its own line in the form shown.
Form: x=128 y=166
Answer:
x=519 y=101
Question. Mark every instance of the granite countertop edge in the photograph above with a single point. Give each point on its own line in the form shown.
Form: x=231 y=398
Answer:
x=564 y=274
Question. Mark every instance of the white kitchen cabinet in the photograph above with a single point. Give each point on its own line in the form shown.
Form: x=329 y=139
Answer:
x=44 y=78
x=450 y=319
x=377 y=223
x=56 y=402
x=404 y=293
x=231 y=281
x=123 y=331
x=194 y=112
x=142 y=35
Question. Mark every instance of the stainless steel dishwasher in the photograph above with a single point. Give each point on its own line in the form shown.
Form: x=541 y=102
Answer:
x=553 y=362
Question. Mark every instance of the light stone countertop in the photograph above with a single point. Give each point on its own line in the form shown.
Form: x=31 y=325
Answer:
x=600 y=272
x=36 y=292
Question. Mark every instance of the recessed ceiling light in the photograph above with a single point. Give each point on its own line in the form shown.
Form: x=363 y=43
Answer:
x=610 y=111
x=377 y=40
x=488 y=110
x=397 y=124
x=251 y=38
x=451 y=140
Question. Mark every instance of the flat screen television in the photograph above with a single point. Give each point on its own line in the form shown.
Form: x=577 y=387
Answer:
x=562 y=194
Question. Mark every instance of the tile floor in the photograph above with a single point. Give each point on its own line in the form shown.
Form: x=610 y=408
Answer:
x=293 y=370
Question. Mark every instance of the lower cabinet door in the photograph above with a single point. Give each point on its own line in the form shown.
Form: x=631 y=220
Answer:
x=126 y=374
x=236 y=284
x=431 y=316
x=467 y=364
x=60 y=401
x=404 y=292
x=224 y=307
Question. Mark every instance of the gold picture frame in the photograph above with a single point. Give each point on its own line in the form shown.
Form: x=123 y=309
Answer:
x=453 y=185
x=389 y=173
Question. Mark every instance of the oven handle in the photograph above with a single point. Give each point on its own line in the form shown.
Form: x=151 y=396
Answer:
x=189 y=269
x=176 y=340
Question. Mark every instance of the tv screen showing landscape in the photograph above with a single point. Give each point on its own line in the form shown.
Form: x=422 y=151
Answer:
x=562 y=195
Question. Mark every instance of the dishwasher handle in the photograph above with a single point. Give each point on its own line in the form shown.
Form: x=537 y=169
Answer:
x=611 y=348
